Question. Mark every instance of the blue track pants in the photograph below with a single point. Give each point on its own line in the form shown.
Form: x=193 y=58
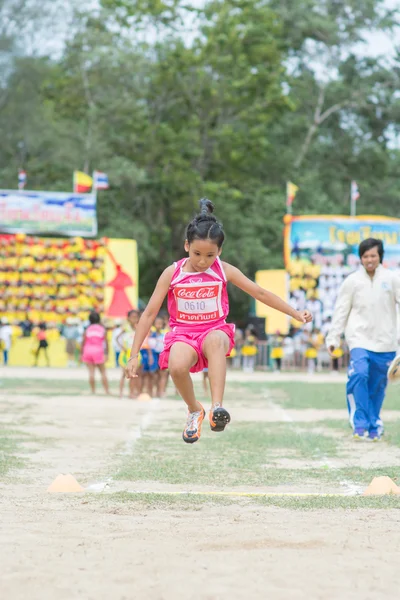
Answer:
x=366 y=385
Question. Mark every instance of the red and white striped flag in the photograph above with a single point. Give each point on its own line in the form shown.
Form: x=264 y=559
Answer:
x=21 y=179
x=355 y=194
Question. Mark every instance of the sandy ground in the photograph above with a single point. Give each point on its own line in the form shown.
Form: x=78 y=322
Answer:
x=84 y=547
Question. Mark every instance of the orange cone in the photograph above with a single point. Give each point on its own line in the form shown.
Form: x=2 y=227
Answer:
x=65 y=484
x=381 y=486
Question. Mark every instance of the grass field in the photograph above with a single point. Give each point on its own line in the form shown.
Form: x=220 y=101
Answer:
x=282 y=486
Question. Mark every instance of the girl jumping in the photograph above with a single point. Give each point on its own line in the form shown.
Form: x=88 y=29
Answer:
x=198 y=305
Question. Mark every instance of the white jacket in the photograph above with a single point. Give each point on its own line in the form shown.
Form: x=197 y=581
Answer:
x=366 y=311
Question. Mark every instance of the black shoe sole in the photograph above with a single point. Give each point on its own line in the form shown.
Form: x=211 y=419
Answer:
x=221 y=418
x=190 y=440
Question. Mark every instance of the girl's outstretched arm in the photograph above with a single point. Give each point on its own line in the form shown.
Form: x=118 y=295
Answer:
x=147 y=319
x=236 y=277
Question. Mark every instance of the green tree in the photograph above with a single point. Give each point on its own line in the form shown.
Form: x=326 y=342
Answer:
x=253 y=95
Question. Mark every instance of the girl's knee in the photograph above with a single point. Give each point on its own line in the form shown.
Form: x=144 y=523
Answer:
x=178 y=369
x=215 y=342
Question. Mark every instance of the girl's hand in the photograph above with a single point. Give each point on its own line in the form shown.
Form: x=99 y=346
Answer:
x=304 y=316
x=131 y=368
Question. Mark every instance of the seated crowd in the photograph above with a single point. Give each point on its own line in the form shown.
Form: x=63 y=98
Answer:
x=46 y=279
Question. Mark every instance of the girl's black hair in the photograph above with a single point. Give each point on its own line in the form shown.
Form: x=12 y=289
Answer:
x=94 y=318
x=205 y=226
x=368 y=245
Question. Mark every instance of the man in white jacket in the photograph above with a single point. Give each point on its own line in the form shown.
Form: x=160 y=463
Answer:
x=366 y=313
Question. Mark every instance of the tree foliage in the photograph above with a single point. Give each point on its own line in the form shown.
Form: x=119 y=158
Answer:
x=227 y=100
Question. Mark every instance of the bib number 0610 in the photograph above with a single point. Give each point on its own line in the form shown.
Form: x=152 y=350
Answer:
x=200 y=306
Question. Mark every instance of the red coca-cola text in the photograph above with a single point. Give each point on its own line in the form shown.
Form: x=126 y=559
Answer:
x=200 y=293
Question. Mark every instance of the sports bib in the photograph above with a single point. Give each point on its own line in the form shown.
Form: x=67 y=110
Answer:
x=198 y=302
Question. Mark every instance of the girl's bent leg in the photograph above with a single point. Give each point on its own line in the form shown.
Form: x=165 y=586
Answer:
x=153 y=384
x=37 y=356
x=138 y=382
x=163 y=382
x=121 y=385
x=104 y=380
x=91 y=379
x=181 y=358
x=215 y=347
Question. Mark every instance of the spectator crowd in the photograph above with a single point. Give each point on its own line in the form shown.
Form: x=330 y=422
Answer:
x=42 y=280
x=49 y=287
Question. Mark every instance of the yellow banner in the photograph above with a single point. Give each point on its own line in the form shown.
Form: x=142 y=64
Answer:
x=277 y=282
x=50 y=280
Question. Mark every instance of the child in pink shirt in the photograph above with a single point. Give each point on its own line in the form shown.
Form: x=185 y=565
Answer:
x=198 y=305
x=95 y=351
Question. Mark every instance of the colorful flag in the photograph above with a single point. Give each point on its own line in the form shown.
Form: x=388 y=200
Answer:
x=21 y=179
x=355 y=194
x=291 y=191
x=100 y=180
x=82 y=182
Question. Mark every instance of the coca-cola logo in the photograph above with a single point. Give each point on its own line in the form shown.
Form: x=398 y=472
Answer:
x=198 y=294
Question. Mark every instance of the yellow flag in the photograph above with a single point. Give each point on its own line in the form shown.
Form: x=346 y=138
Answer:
x=291 y=191
x=82 y=182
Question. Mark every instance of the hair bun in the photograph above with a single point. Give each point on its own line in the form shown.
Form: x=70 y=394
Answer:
x=205 y=226
x=206 y=206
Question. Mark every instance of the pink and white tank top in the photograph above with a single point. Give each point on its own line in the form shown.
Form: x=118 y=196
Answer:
x=196 y=300
x=95 y=337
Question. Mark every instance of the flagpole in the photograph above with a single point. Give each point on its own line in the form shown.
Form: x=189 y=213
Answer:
x=288 y=203
x=352 y=201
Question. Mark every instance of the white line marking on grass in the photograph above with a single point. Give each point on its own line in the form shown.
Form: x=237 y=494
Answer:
x=137 y=432
x=280 y=411
x=352 y=489
x=134 y=436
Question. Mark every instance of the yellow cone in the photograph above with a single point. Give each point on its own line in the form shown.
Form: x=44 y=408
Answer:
x=65 y=484
x=381 y=486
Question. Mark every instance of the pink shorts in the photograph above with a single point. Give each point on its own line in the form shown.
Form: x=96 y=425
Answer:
x=92 y=356
x=195 y=340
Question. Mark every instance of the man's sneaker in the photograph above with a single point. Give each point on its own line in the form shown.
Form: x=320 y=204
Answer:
x=219 y=418
x=374 y=435
x=380 y=427
x=192 y=431
x=360 y=434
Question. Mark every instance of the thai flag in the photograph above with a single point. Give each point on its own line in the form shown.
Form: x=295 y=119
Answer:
x=100 y=181
x=355 y=194
x=21 y=179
